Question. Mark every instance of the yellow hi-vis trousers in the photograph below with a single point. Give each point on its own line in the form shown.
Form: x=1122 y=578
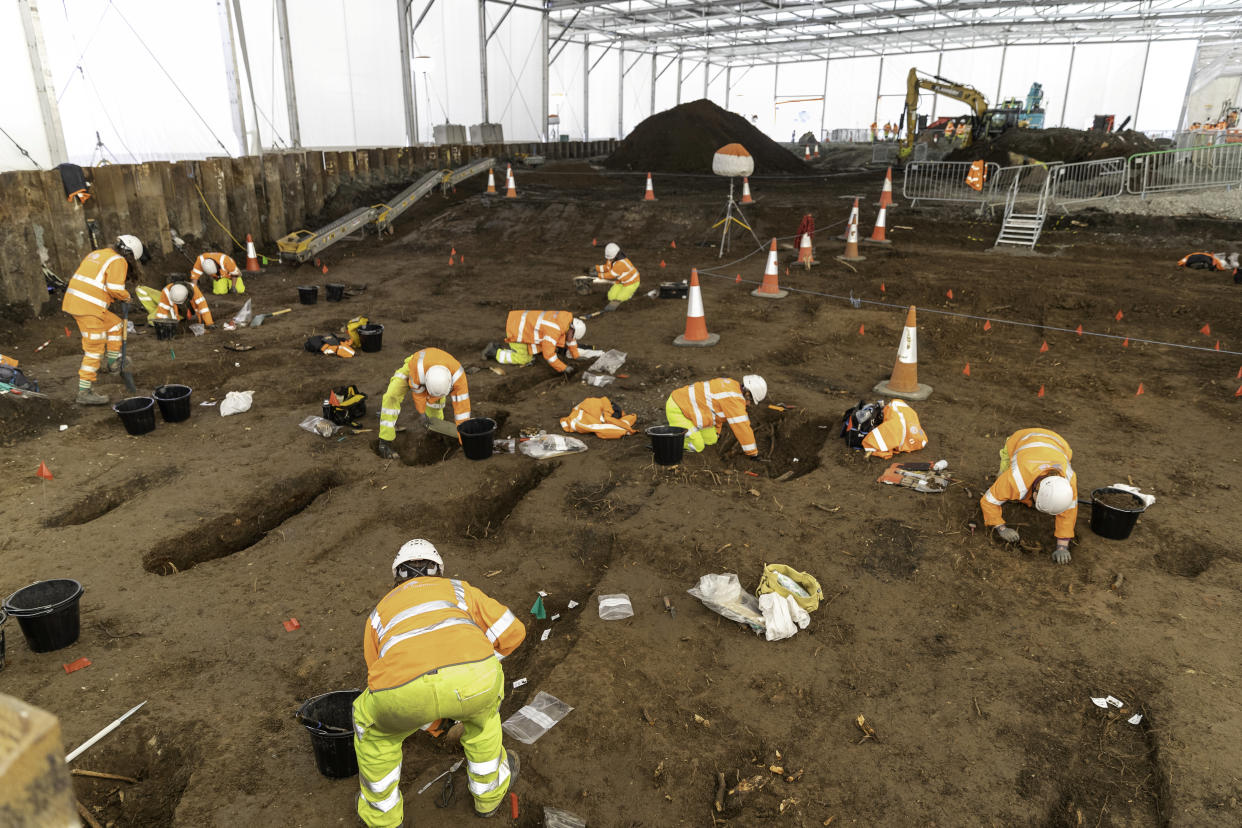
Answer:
x=622 y=293
x=696 y=438
x=224 y=284
x=471 y=694
x=390 y=408
x=100 y=335
x=514 y=353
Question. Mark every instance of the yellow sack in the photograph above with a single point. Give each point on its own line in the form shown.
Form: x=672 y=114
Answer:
x=150 y=299
x=785 y=580
x=239 y=286
x=352 y=326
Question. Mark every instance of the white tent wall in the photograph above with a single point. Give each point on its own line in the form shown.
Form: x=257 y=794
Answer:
x=666 y=82
x=717 y=81
x=565 y=78
x=1205 y=103
x=692 y=75
x=799 y=99
x=515 y=73
x=1046 y=65
x=979 y=68
x=267 y=71
x=605 y=106
x=636 y=99
x=751 y=96
x=851 y=92
x=893 y=88
x=21 y=120
x=1164 y=85
x=445 y=54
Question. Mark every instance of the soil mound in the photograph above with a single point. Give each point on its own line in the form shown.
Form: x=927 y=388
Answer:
x=684 y=139
x=1067 y=145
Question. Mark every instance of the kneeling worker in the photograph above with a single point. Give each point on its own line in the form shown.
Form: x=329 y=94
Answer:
x=620 y=271
x=547 y=331
x=433 y=647
x=177 y=297
x=1035 y=469
x=223 y=271
x=430 y=374
x=702 y=408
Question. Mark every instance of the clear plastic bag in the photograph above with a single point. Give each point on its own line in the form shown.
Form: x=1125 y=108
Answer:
x=723 y=594
x=320 y=426
x=243 y=316
x=609 y=363
x=544 y=446
x=556 y=818
x=537 y=718
x=598 y=380
x=615 y=607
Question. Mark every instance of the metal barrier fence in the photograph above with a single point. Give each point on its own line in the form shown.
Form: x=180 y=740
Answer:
x=1193 y=168
x=849 y=136
x=1087 y=181
x=945 y=181
x=1018 y=183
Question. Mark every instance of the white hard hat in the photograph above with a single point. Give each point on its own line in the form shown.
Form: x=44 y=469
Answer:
x=209 y=267
x=611 y=250
x=131 y=244
x=579 y=329
x=417 y=550
x=178 y=293
x=756 y=385
x=1054 y=495
x=438 y=380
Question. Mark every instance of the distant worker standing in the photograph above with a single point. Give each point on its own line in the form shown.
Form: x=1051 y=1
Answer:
x=222 y=270
x=98 y=282
x=433 y=647
x=703 y=407
x=949 y=129
x=548 y=332
x=183 y=297
x=430 y=374
x=1035 y=469
x=620 y=271
x=874 y=130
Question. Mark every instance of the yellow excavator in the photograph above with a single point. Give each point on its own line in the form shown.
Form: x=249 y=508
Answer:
x=983 y=120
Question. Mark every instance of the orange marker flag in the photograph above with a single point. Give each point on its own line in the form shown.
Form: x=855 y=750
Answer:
x=324 y=269
x=453 y=251
x=949 y=293
x=1140 y=390
x=1206 y=330
x=594 y=242
x=1217 y=345
x=1040 y=393
x=44 y=472
x=738 y=281
x=68 y=333
x=1238 y=393
x=1043 y=349
x=673 y=245
x=462 y=258
x=450 y=261
x=333 y=399
x=860 y=330
x=966 y=370
x=987 y=324
x=882 y=287
x=662 y=263
x=1118 y=316
x=1239 y=373
x=1125 y=343
x=1078 y=330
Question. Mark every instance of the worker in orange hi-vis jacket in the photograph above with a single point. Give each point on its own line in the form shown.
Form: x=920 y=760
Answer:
x=1035 y=469
x=598 y=416
x=224 y=273
x=618 y=271
x=703 y=407
x=178 y=297
x=433 y=377
x=98 y=282
x=547 y=332
x=433 y=647
x=899 y=431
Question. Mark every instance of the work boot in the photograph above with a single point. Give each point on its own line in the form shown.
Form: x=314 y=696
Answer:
x=515 y=765
x=88 y=397
x=490 y=351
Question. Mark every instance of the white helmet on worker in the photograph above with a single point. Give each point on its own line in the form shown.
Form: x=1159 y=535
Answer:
x=611 y=250
x=756 y=385
x=131 y=244
x=178 y=293
x=1054 y=495
x=578 y=328
x=209 y=267
x=417 y=556
x=438 y=380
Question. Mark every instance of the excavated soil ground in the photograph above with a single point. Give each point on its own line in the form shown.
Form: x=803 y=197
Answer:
x=973 y=662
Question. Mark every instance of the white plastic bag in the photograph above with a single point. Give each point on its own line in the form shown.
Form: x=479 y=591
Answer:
x=723 y=594
x=615 y=607
x=235 y=402
x=608 y=363
x=544 y=446
x=598 y=380
x=782 y=616
x=1134 y=490
x=243 y=316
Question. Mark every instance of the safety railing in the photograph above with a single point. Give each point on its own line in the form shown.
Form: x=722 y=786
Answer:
x=1085 y=181
x=1193 y=168
x=944 y=181
x=1026 y=182
x=849 y=136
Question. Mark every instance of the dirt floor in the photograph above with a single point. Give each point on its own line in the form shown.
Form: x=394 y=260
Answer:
x=973 y=662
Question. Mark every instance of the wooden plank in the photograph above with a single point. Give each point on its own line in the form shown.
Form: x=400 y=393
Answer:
x=112 y=196
x=148 y=209
x=213 y=180
x=331 y=174
x=185 y=210
x=276 y=225
x=293 y=196
x=24 y=227
x=312 y=188
x=71 y=240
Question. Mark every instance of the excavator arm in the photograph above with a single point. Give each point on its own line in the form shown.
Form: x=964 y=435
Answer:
x=957 y=91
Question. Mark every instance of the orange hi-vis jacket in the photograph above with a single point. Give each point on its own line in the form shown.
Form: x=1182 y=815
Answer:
x=428 y=623
x=1033 y=453
x=168 y=310
x=899 y=431
x=545 y=331
x=622 y=271
x=226 y=268
x=9 y=361
x=415 y=372
x=711 y=403
x=594 y=416
x=1204 y=260
x=98 y=282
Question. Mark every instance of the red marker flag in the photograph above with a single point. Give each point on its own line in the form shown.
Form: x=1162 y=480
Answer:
x=1206 y=330
x=860 y=330
x=1140 y=390
x=1043 y=349
x=1118 y=316
x=1078 y=330
x=44 y=471
x=966 y=370
x=987 y=324
x=1040 y=393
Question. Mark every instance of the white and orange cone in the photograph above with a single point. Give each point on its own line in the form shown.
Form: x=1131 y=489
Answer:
x=852 y=220
x=886 y=194
x=696 y=334
x=806 y=152
x=252 y=258
x=770 y=288
x=650 y=194
x=877 y=235
x=904 y=381
x=746 y=199
x=806 y=252
x=510 y=184
x=851 y=240
x=491 y=181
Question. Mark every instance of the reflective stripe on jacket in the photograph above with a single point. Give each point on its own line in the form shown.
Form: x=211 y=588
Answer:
x=168 y=310
x=98 y=282
x=413 y=374
x=544 y=331
x=899 y=431
x=428 y=623
x=710 y=403
x=1033 y=453
x=594 y=416
x=621 y=271
x=1204 y=261
x=225 y=266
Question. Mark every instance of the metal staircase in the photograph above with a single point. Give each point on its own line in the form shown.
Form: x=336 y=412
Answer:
x=1022 y=229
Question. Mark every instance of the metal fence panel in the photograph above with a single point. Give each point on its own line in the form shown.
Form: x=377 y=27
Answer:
x=944 y=181
x=849 y=136
x=1193 y=168
x=1088 y=181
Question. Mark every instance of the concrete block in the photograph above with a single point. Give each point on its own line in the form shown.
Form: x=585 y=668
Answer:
x=449 y=133
x=35 y=789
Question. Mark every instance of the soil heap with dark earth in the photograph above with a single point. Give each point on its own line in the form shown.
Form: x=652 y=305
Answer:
x=684 y=139
x=1067 y=145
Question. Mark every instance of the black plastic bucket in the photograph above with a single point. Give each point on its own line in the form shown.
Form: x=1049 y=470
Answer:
x=476 y=437
x=174 y=401
x=371 y=338
x=166 y=329
x=668 y=443
x=308 y=294
x=137 y=414
x=335 y=292
x=47 y=612
x=1111 y=522
x=329 y=719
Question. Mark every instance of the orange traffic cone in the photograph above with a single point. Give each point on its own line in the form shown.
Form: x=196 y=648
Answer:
x=491 y=181
x=746 y=199
x=650 y=194
x=851 y=244
x=806 y=253
x=886 y=195
x=904 y=382
x=510 y=184
x=252 y=258
x=696 y=334
x=806 y=154
x=815 y=152
x=852 y=220
x=770 y=288
x=877 y=235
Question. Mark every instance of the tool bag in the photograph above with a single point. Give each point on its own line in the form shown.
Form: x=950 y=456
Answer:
x=13 y=376
x=350 y=405
x=785 y=580
x=860 y=420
